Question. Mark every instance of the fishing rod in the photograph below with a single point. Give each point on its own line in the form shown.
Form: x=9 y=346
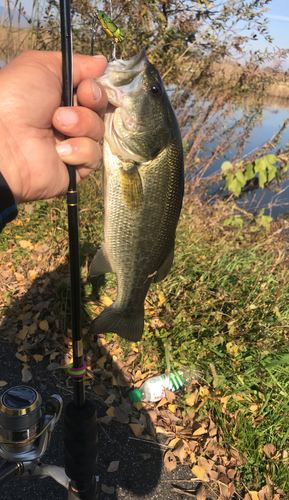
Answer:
x=80 y=421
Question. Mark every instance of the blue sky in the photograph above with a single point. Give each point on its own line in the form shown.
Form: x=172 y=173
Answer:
x=278 y=15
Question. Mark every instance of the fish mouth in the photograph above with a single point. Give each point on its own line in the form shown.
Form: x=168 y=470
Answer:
x=122 y=77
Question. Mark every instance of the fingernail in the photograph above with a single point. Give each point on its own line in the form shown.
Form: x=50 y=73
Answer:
x=99 y=56
x=64 y=149
x=96 y=91
x=67 y=117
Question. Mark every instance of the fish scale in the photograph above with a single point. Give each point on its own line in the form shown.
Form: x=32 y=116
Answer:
x=143 y=189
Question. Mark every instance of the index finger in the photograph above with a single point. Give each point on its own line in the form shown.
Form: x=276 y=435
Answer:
x=87 y=67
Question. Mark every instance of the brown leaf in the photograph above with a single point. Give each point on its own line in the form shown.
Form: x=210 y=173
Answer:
x=100 y=390
x=107 y=489
x=170 y=396
x=101 y=361
x=269 y=450
x=2 y=383
x=38 y=357
x=43 y=248
x=207 y=464
x=23 y=333
x=124 y=379
x=53 y=366
x=113 y=466
x=110 y=411
x=254 y=495
x=110 y=399
x=170 y=461
x=265 y=493
x=26 y=375
x=162 y=402
x=179 y=451
x=105 y=420
x=192 y=399
x=130 y=359
x=121 y=416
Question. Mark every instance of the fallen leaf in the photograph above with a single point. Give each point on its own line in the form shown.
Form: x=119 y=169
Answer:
x=139 y=405
x=173 y=442
x=25 y=244
x=106 y=301
x=110 y=411
x=100 y=390
x=170 y=461
x=38 y=357
x=113 y=466
x=198 y=432
x=110 y=399
x=204 y=392
x=199 y=472
x=191 y=399
x=265 y=493
x=107 y=489
x=170 y=396
x=32 y=329
x=32 y=274
x=2 y=383
x=269 y=450
x=23 y=358
x=101 y=342
x=26 y=375
x=161 y=300
x=19 y=276
x=105 y=420
x=162 y=402
x=101 y=361
x=172 y=408
x=53 y=366
x=43 y=248
x=179 y=451
x=23 y=333
x=121 y=416
x=43 y=325
x=137 y=429
x=254 y=495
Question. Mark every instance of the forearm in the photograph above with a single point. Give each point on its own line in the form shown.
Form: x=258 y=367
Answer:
x=8 y=208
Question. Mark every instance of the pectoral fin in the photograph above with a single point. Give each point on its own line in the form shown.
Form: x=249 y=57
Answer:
x=164 y=270
x=131 y=188
x=100 y=264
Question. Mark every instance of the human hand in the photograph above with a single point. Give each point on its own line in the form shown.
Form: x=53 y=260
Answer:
x=33 y=125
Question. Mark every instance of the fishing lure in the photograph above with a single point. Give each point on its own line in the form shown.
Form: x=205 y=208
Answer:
x=108 y=26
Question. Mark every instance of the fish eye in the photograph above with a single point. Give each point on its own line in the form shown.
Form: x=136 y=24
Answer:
x=155 y=90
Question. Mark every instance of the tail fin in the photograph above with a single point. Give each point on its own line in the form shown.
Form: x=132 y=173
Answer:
x=112 y=321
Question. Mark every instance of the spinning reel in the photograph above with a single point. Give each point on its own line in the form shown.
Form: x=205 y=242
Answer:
x=25 y=435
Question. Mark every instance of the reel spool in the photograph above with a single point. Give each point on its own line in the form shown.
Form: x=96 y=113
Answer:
x=20 y=418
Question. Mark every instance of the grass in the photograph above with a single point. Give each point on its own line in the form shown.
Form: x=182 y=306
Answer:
x=223 y=309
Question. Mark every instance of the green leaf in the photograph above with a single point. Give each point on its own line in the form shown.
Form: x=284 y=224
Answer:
x=260 y=165
x=240 y=177
x=281 y=361
x=270 y=159
x=262 y=178
x=249 y=173
x=226 y=166
x=235 y=187
x=271 y=172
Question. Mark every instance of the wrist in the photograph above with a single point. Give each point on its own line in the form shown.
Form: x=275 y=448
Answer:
x=8 y=163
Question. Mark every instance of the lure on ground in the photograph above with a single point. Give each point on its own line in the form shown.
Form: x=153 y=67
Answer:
x=143 y=182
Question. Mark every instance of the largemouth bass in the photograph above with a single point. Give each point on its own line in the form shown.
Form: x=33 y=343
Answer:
x=143 y=188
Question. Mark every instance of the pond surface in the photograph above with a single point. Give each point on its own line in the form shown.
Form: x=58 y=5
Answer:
x=275 y=202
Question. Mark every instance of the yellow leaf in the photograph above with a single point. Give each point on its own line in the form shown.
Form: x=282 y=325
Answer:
x=19 y=276
x=32 y=274
x=134 y=347
x=115 y=352
x=190 y=401
x=254 y=495
x=162 y=430
x=232 y=348
x=101 y=342
x=204 y=392
x=139 y=405
x=101 y=361
x=43 y=325
x=38 y=357
x=201 y=430
x=110 y=411
x=137 y=429
x=17 y=222
x=106 y=301
x=23 y=333
x=25 y=244
x=172 y=408
x=199 y=471
x=2 y=383
x=32 y=329
x=174 y=441
x=162 y=299
x=114 y=381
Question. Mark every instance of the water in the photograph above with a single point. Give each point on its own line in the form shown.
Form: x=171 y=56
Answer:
x=275 y=202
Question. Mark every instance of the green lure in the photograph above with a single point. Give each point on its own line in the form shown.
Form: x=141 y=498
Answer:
x=112 y=31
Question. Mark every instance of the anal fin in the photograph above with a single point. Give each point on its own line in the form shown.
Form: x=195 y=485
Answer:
x=100 y=264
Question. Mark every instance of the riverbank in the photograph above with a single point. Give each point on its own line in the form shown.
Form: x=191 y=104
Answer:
x=223 y=309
